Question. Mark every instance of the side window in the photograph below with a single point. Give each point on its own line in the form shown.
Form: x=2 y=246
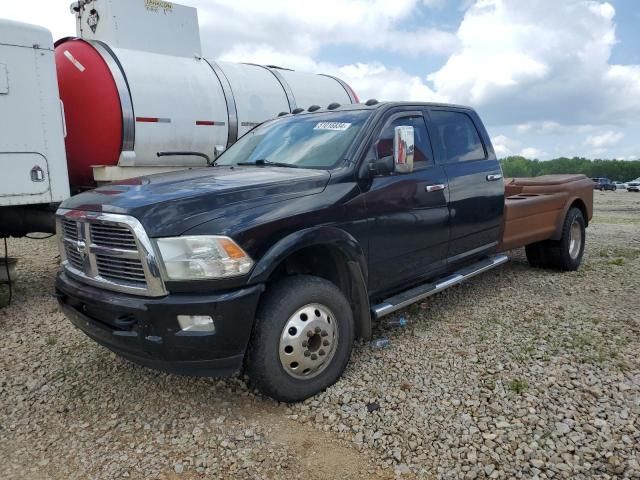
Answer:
x=422 y=153
x=458 y=136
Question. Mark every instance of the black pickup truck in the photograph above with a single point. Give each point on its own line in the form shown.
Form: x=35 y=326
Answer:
x=308 y=229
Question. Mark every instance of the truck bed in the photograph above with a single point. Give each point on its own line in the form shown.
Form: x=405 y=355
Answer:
x=535 y=208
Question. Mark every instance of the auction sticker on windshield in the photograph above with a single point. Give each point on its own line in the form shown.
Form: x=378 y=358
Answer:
x=337 y=126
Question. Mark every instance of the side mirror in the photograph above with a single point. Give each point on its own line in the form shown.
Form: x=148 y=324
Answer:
x=403 y=147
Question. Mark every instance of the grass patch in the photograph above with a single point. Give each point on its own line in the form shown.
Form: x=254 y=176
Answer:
x=584 y=341
x=617 y=253
x=617 y=261
x=518 y=385
x=51 y=340
x=616 y=220
x=596 y=348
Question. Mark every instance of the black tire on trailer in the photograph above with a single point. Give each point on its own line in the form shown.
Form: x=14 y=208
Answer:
x=302 y=339
x=566 y=253
x=537 y=255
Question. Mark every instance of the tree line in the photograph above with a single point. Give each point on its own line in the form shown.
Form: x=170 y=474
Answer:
x=621 y=170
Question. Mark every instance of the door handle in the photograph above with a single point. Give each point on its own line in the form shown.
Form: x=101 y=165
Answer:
x=435 y=188
x=493 y=177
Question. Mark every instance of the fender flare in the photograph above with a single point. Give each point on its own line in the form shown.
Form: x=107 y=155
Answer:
x=557 y=234
x=329 y=237
x=309 y=237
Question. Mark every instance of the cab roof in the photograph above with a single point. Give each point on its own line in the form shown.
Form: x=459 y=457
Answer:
x=378 y=106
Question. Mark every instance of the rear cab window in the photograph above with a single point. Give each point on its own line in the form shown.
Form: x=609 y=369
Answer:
x=458 y=136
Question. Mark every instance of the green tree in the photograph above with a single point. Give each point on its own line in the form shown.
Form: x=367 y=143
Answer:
x=621 y=170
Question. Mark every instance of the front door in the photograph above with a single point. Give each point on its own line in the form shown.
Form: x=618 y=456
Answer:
x=410 y=233
x=476 y=188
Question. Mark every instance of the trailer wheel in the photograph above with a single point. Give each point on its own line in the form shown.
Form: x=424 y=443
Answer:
x=302 y=340
x=537 y=254
x=566 y=253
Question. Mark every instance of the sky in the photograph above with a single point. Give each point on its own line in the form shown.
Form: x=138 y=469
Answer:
x=550 y=78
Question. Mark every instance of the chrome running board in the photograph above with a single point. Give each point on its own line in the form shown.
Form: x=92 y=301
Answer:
x=415 y=294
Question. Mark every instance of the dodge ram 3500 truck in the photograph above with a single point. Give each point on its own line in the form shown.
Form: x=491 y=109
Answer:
x=308 y=229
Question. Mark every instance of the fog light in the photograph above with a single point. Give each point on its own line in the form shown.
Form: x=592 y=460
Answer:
x=196 y=323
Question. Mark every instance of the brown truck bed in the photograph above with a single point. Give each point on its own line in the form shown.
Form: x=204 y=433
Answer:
x=535 y=208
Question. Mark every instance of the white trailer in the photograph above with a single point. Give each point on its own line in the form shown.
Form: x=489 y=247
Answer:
x=33 y=167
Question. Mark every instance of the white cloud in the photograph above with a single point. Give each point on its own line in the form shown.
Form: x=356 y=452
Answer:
x=53 y=15
x=542 y=61
x=377 y=81
x=604 y=140
x=532 y=152
x=550 y=127
x=504 y=146
x=302 y=28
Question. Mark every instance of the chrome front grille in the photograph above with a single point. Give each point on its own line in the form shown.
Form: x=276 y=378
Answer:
x=109 y=251
x=70 y=228
x=121 y=269
x=113 y=236
x=73 y=257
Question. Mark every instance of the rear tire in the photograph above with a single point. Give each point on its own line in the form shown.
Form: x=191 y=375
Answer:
x=302 y=339
x=537 y=255
x=566 y=253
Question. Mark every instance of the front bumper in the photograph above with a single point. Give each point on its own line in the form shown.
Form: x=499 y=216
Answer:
x=633 y=189
x=146 y=331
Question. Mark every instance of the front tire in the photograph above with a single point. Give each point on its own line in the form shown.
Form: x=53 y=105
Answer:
x=302 y=340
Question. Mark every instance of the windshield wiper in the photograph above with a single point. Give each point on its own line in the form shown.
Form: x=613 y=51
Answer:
x=262 y=162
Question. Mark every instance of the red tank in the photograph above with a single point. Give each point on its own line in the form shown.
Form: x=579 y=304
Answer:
x=92 y=110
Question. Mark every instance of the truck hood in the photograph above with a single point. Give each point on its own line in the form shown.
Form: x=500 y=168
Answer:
x=172 y=203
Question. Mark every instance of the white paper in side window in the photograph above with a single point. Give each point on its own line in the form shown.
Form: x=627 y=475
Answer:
x=336 y=126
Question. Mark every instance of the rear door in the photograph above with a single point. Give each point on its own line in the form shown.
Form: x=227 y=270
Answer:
x=410 y=235
x=476 y=188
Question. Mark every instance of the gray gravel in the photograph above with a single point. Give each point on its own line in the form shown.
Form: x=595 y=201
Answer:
x=520 y=373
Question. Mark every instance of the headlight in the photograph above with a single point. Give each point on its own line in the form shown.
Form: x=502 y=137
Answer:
x=202 y=257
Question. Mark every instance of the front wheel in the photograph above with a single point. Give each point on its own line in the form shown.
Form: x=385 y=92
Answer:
x=302 y=340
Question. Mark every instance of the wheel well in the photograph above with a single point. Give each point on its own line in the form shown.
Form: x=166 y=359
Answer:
x=321 y=261
x=332 y=265
x=579 y=204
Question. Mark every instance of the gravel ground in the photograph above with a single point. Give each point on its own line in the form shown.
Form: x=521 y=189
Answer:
x=520 y=373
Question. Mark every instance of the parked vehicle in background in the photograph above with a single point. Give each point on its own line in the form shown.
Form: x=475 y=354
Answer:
x=603 y=184
x=620 y=185
x=633 y=186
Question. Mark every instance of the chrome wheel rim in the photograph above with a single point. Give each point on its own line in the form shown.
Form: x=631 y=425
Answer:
x=575 y=239
x=308 y=341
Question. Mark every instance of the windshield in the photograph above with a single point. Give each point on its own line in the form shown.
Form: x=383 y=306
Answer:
x=306 y=141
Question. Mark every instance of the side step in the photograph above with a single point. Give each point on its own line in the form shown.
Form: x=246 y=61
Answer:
x=420 y=292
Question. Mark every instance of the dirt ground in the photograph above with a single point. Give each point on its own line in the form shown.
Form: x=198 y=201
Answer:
x=519 y=373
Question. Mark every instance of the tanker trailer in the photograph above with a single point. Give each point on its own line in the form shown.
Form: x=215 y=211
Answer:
x=139 y=101
x=138 y=97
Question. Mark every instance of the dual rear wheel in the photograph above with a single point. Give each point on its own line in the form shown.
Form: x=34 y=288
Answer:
x=566 y=253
